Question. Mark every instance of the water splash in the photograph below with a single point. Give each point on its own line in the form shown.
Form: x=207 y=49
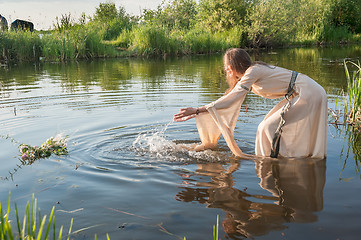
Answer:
x=156 y=145
x=154 y=142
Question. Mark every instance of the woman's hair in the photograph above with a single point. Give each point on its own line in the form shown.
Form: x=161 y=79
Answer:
x=239 y=61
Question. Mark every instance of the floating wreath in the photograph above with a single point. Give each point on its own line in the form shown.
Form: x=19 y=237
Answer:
x=55 y=146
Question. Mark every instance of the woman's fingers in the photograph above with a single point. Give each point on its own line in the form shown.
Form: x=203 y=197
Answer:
x=182 y=118
x=184 y=114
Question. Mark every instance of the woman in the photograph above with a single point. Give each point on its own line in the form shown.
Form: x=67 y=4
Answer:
x=295 y=127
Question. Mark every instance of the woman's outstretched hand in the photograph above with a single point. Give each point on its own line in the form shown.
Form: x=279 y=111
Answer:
x=185 y=114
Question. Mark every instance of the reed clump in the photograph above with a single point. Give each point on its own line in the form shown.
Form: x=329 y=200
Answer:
x=151 y=40
x=81 y=42
x=19 y=46
x=32 y=226
x=353 y=100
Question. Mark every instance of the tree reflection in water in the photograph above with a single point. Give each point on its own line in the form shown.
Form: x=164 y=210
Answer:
x=294 y=193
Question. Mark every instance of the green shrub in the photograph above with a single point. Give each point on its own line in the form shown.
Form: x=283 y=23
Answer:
x=346 y=14
x=175 y=14
x=221 y=15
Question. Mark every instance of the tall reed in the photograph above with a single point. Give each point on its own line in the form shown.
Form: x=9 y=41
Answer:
x=32 y=226
x=19 y=46
x=353 y=103
x=79 y=42
x=152 y=40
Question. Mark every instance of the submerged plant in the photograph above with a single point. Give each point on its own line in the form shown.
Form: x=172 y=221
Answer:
x=55 y=146
x=351 y=113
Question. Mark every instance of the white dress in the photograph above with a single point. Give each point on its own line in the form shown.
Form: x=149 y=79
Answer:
x=305 y=131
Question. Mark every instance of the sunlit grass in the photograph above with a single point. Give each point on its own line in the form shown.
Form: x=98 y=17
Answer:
x=216 y=229
x=33 y=225
x=20 y=46
x=353 y=101
x=88 y=42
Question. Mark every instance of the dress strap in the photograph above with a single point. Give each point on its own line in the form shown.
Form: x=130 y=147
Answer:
x=291 y=89
x=276 y=139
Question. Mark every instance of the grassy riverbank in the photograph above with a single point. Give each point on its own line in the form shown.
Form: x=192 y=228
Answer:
x=187 y=27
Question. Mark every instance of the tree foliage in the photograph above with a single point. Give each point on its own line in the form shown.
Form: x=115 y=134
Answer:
x=106 y=12
x=218 y=15
x=261 y=23
x=114 y=21
x=272 y=22
x=178 y=14
x=346 y=13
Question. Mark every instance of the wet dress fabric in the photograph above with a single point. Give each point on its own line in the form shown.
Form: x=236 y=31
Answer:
x=305 y=131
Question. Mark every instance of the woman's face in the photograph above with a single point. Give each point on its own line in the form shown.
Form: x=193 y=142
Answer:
x=230 y=77
x=227 y=69
x=231 y=74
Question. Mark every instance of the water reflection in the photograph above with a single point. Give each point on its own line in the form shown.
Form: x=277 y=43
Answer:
x=294 y=193
x=353 y=138
x=323 y=65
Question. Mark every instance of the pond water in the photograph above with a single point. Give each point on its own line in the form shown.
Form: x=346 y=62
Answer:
x=123 y=175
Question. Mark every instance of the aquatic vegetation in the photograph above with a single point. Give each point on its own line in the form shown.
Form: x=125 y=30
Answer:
x=32 y=226
x=352 y=112
x=57 y=146
x=348 y=113
x=353 y=102
x=54 y=145
x=215 y=229
x=354 y=146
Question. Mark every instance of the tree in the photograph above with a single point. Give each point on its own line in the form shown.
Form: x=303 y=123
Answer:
x=114 y=21
x=346 y=13
x=217 y=15
x=273 y=22
x=179 y=14
x=106 y=12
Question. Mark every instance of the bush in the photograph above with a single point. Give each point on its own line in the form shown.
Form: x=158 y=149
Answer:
x=346 y=14
x=277 y=22
x=176 y=14
x=221 y=15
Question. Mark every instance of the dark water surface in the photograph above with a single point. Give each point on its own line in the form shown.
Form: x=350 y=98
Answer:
x=124 y=176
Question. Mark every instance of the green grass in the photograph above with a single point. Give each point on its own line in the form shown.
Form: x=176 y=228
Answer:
x=33 y=225
x=215 y=229
x=79 y=42
x=353 y=102
x=19 y=46
x=112 y=33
